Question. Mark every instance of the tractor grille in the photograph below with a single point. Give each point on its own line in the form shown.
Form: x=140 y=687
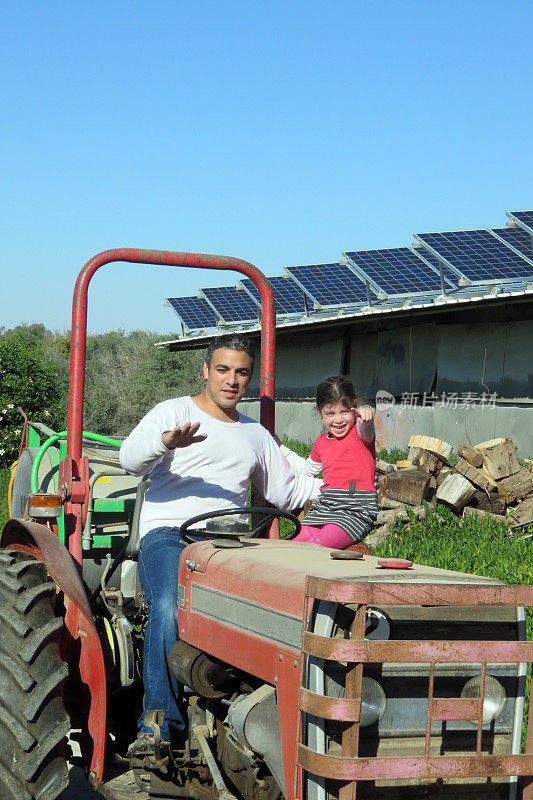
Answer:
x=435 y=701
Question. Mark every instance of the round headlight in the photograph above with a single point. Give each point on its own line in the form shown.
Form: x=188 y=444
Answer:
x=494 y=699
x=373 y=702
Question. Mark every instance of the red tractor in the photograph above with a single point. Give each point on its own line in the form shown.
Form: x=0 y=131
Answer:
x=303 y=674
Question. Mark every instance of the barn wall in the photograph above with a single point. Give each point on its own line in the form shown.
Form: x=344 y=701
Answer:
x=489 y=357
x=300 y=368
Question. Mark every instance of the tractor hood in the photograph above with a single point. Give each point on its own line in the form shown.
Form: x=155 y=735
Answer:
x=273 y=572
x=258 y=590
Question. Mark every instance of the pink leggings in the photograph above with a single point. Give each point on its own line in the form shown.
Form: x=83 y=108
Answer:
x=329 y=535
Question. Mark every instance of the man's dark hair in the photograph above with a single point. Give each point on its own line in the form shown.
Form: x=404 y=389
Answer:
x=230 y=341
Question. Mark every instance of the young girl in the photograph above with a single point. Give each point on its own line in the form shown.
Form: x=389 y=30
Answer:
x=348 y=505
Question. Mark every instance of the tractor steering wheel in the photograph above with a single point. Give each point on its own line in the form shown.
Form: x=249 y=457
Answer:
x=270 y=514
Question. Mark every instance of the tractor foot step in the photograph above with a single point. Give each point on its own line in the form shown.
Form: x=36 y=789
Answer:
x=122 y=787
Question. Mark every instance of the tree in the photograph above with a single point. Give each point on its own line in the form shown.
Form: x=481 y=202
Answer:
x=29 y=382
x=127 y=374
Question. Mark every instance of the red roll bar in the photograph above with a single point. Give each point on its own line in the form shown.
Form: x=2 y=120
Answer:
x=72 y=472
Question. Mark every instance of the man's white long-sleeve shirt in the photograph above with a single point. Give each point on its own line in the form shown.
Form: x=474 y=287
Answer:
x=212 y=474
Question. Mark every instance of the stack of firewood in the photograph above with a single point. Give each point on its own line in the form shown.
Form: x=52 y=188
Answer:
x=487 y=479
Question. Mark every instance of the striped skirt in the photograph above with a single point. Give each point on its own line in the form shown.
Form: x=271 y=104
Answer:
x=355 y=512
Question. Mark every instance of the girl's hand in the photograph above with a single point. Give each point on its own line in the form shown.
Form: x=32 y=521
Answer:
x=364 y=414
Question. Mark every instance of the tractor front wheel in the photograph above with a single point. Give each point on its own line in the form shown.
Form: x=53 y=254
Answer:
x=33 y=720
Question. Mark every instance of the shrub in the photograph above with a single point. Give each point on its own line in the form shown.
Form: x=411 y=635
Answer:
x=29 y=382
x=126 y=375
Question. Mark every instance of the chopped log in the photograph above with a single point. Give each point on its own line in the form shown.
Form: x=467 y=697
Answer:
x=468 y=511
x=499 y=457
x=425 y=459
x=383 y=466
x=404 y=464
x=493 y=502
x=455 y=491
x=516 y=487
x=379 y=535
x=419 y=512
x=442 y=449
x=474 y=475
x=386 y=503
x=522 y=514
x=392 y=514
x=407 y=486
x=470 y=454
x=442 y=475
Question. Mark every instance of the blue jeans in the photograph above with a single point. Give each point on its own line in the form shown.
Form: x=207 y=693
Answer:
x=159 y=556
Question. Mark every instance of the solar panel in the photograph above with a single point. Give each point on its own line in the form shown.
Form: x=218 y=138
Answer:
x=478 y=255
x=329 y=284
x=396 y=271
x=452 y=275
x=288 y=295
x=194 y=312
x=518 y=238
x=524 y=219
x=233 y=305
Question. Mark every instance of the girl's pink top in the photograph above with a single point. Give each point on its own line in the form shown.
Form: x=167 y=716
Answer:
x=345 y=460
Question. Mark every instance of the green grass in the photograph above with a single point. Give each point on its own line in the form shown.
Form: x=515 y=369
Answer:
x=392 y=456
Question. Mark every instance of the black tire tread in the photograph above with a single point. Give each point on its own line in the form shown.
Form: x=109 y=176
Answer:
x=42 y=690
x=15 y=622
x=9 y=666
x=10 y=784
x=33 y=720
x=26 y=600
x=24 y=738
x=38 y=637
x=10 y=583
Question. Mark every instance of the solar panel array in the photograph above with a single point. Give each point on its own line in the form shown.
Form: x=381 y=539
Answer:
x=459 y=264
x=523 y=218
x=194 y=312
x=289 y=297
x=231 y=304
x=396 y=271
x=518 y=239
x=329 y=284
x=479 y=255
x=449 y=274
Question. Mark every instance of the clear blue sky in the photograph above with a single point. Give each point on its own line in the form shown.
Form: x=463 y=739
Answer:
x=279 y=132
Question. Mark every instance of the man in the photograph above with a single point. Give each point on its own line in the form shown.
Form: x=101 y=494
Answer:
x=202 y=454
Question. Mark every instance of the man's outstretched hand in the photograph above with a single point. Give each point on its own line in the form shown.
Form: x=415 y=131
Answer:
x=182 y=437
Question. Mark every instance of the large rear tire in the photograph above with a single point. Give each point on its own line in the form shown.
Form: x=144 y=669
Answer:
x=33 y=720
